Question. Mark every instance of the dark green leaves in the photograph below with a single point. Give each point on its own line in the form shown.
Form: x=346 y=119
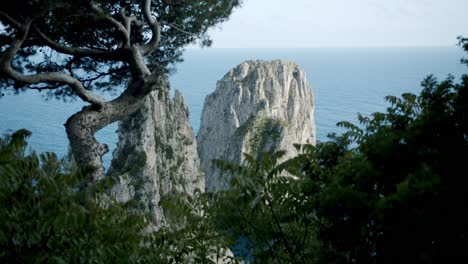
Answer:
x=46 y=219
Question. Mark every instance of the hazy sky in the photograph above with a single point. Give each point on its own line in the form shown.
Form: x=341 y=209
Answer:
x=343 y=23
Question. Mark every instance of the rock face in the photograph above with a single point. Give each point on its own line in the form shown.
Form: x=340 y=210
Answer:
x=156 y=154
x=257 y=106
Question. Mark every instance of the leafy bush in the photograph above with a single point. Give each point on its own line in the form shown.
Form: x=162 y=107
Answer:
x=46 y=219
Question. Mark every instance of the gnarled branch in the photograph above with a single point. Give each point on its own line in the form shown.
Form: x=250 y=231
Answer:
x=122 y=28
x=51 y=77
x=127 y=22
x=155 y=30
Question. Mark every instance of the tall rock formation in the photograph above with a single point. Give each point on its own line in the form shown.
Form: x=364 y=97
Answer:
x=156 y=154
x=257 y=106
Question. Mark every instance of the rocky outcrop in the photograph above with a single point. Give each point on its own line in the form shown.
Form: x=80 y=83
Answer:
x=156 y=154
x=258 y=106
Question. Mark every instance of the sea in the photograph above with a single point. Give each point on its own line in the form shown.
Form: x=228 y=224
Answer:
x=345 y=82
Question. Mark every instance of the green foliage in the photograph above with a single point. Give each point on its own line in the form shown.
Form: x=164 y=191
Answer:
x=392 y=190
x=268 y=209
x=45 y=219
x=191 y=236
x=397 y=197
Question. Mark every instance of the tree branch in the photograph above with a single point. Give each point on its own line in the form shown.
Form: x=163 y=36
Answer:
x=51 y=77
x=174 y=26
x=138 y=66
x=122 y=29
x=155 y=30
x=57 y=77
x=127 y=22
x=101 y=75
x=10 y=20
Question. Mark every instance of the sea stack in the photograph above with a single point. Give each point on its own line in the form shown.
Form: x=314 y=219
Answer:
x=156 y=155
x=257 y=106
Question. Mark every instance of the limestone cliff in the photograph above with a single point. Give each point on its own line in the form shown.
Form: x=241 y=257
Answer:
x=257 y=106
x=156 y=154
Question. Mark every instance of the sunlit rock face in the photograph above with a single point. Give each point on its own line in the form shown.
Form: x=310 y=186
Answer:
x=257 y=106
x=156 y=155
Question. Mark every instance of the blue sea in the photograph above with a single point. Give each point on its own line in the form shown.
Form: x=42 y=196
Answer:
x=344 y=81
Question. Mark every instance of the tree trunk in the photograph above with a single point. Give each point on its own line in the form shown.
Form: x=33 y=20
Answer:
x=82 y=126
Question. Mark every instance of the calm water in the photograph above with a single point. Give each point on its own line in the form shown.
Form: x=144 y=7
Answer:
x=345 y=82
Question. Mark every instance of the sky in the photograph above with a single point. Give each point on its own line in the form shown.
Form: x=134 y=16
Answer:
x=343 y=23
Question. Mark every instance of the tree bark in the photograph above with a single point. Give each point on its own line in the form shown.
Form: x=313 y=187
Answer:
x=82 y=126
